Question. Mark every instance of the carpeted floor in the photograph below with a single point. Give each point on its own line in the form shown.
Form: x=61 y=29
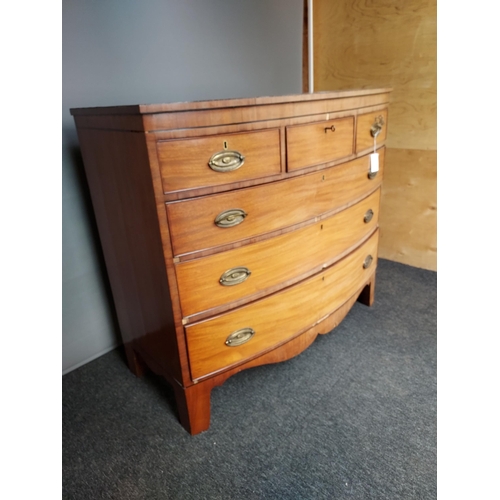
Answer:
x=352 y=417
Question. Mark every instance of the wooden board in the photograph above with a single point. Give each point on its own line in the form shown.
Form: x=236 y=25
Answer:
x=408 y=218
x=391 y=44
x=365 y=44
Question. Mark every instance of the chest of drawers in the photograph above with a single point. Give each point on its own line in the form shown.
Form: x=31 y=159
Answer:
x=234 y=231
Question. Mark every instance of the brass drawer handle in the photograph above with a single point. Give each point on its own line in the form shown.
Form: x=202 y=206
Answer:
x=226 y=161
x=332 y=128
x=376 y=128
x=230 y=218
x=235 y=276
x=368 y=216
x=372 y=175
x=368 y=262
x=240 y=337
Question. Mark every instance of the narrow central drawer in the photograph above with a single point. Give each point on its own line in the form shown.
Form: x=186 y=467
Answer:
x=317 y=143
x=219 y=159
x=237 y=336
x=239 y=273
x=261 y=209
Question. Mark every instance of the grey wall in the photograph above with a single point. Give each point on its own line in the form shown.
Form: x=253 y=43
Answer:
x=151 y=51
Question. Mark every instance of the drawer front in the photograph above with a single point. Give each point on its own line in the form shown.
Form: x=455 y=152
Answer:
x=239 y=273
x=268 y=207
x=220 y=159
x=313 y=144
x=278 y=317
x=364 y=137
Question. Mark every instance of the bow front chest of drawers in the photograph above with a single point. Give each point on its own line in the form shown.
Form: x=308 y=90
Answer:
x=234 y=231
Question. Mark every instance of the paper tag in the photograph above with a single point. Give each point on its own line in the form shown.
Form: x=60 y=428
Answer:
x=374 y=162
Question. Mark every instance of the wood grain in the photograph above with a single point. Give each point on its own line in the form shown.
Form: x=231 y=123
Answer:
x=164 y=230
x=390 y=44
x=117 y=169
x=184 y=163
x=318 y=143
x=278 y=316
x=301 y=253
x=199 y=405
x=242 y=112
x=408 y=213
x=303 y=234
x=214 y=104
x=272 y=207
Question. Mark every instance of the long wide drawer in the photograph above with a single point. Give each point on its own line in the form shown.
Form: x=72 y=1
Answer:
x=219 y=159
x=236 y=274
x=266 y=208
x=237 y=336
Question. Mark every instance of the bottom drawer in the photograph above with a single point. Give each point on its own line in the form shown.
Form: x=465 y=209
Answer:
x=232 y=338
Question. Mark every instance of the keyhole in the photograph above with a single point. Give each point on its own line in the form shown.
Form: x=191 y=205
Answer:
x=225 y=144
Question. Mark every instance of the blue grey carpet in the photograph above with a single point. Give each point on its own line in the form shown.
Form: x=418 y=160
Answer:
x=352 y=417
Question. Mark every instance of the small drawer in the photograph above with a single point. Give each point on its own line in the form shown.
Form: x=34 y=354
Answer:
x=243 y=333
x=316 y=143
x=220 y=159
x=238 y=274
x=368 y=125
x=225 y=218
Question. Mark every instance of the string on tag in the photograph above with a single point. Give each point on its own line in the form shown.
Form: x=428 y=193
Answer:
x=375 y=143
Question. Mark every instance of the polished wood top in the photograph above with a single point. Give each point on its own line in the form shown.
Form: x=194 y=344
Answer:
x=139 y=109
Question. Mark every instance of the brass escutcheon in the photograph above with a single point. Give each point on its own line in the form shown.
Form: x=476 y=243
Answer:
x=230 y=218
x=226 y=161
x=235 y=276
x=368 y=216
x=368 y=262
x=240 y=337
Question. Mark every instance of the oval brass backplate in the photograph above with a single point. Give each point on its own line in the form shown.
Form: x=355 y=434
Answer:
x=226 y=161
x=368 y=216
x=235 y=276
x=240 y=337
x=368 y=262
x=230 y=218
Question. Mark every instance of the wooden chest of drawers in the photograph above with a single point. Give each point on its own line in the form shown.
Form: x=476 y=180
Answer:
x=234 y=231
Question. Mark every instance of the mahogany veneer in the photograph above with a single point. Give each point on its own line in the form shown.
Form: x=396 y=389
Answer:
x=234 y=231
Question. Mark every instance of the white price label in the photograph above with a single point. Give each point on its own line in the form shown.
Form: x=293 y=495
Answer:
x=374 y=162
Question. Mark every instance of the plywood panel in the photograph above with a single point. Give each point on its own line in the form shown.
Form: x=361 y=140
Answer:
x=408 y=221
x=393 y=44
x=360 y=44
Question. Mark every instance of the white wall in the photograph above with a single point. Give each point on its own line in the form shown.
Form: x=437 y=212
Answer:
x=151 y=51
